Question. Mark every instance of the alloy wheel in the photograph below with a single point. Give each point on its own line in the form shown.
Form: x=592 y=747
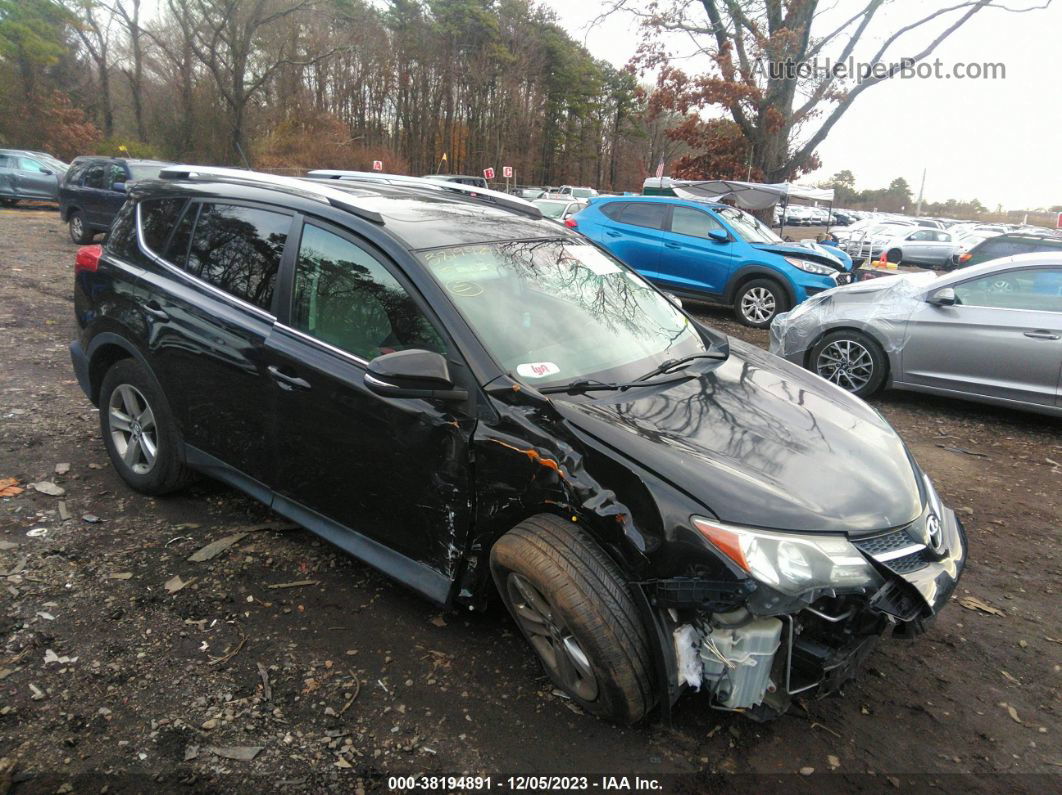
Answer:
x=133 y=431
x=554 y=642
x=75 y=226
x=757 y=305
x=846 y=363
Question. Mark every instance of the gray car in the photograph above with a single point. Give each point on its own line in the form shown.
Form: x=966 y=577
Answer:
x=921 y=246
x=29 y=175
x=990 y=333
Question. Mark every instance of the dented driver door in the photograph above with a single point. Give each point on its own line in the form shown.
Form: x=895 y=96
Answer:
x=394 y=470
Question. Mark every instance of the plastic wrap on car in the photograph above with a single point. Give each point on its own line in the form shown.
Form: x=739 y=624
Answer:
x=874 y=306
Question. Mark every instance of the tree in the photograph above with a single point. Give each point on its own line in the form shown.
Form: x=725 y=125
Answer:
x=765 y=57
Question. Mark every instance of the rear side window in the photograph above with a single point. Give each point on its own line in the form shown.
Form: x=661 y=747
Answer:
x=157 y=219
x=613 y=209
x=6 y=161
x=177 y=253
x=115 y=173
x=238 y=249
x=121 y=240
x=644 y=214
x=1002 y=247
x=73 y=174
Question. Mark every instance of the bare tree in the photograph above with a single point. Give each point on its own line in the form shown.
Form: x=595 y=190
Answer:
x=94 y=22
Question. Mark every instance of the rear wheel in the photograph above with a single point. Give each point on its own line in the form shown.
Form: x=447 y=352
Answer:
x=758 y=301
x=894 y=256
x=139 y=431
x=572 y=604
x=79 y=230
x=852 y=360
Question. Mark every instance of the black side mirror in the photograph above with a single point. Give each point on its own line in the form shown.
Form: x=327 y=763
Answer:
x=719 y=236
x=943 y=297
x=118 y=186
x=412 y=374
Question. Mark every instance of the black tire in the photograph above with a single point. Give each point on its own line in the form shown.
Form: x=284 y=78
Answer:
x=894 y=255
x=586 y=601
x=853 y=351
x=79 y=230
x=758 y=302
x=158 y=474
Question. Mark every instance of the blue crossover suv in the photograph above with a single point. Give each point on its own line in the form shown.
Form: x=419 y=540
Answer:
x=708 y=251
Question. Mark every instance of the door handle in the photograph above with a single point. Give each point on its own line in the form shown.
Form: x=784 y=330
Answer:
x=156 y=311
x=1040 y=334
x=288 y=382
x=613 y=234
x=672 y=245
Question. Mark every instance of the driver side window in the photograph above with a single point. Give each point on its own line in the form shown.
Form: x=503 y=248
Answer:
x=1038 y=290
x=687 y=221
x=345 y=297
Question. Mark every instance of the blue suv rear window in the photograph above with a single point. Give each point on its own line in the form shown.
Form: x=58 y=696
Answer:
x=648 y=214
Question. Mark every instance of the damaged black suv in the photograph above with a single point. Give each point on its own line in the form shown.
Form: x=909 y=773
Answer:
x=476 y=401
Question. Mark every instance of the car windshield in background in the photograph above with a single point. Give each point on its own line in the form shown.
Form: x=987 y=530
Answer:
x=582 y=193
x=750 y=228
x=50 y=162
x=142 y=171
x=552 y=209
x=554 y=312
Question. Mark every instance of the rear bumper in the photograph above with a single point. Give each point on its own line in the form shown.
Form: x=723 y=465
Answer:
x=81 y=368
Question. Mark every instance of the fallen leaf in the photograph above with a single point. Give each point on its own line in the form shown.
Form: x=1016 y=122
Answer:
x=1013 y=714
x=121 y=575
x=191 y=752
x=439 y=621
x=295 y=584
x=5 y=673
x=62 y=469
x=45 y=615
x=51 y=657
x=241 y=753
x=175 y=584
x=16 y=568
x=215 y=548
x=973 y=603
x=38 y=694
x=64 y=512
x=49 y=488
x=91 y=518
x=6 y=545
x=9 y=487
x=833 y=761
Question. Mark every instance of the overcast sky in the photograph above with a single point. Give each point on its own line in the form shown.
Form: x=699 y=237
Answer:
x=999 y=141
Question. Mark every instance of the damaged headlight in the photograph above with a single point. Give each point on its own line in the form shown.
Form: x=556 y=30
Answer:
x=790 y=563
x=808 y=266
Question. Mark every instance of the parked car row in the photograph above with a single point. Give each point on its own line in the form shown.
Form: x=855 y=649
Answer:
x=660 y=507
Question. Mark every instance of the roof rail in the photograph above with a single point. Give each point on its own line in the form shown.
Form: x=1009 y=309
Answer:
x=309 y=189
x=495 y=197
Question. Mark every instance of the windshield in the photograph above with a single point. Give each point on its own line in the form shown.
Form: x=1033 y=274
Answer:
x=551 y=209
x=747 y=227
x=52 y=163
x=582 y=193
x=554 y=311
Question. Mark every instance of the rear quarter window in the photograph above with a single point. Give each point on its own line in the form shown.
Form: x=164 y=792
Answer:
x=157 y=219
x=613 y=209
x=121 y=239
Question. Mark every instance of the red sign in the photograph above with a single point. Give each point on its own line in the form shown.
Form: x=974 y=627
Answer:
x=488 y=173
x=377 y=165
x=507 y=172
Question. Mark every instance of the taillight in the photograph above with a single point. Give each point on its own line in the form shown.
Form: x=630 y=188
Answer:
x=570 y=223
x=88 y=259
x=966 y=257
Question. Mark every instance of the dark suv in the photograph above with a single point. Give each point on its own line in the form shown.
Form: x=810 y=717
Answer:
x=94 y=189
x=1007 y=245
x=477 y=401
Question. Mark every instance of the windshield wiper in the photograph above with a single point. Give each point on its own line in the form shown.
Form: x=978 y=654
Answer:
x=581 y=387
x=670 y=364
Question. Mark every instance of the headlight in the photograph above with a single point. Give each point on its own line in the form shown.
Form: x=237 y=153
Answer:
x=808 y=266
x=790 y=563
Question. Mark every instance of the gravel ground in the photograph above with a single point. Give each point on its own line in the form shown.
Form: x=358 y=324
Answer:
x=282 y=664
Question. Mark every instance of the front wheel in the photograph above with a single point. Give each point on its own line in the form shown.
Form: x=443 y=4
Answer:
x=572 y=604
x=79 y=230
x=758 y=301
x=852 y=360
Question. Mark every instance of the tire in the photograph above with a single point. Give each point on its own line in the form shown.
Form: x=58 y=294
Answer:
x=79 y=231
x=850 y=359
x=758 y=302
x=572 y=604
x=894 y=256
x=127 y=394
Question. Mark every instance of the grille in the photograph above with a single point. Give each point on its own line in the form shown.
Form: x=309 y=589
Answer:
x=908 y=563
x=885 y=543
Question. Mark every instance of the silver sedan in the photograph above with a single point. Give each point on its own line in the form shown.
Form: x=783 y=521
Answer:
x=991 y=333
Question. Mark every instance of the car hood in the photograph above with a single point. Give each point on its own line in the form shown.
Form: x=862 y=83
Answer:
x=761 y=442
x=815 y=254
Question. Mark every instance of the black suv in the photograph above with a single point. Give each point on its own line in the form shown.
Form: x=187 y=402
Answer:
x=1007 y=245
x=477 y=401
x=94 y=189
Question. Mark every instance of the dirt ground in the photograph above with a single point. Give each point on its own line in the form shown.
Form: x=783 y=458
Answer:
x=332 y=677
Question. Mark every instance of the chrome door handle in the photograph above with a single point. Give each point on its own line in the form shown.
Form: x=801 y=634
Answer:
x=156 y=311
x=288 y=382
x=1042 y=335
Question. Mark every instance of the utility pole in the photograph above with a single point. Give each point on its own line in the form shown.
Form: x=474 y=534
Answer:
x=921 y=191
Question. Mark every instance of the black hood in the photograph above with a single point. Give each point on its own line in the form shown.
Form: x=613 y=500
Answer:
x=761 y=442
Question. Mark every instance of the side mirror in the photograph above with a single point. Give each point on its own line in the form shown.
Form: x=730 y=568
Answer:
x=47 y=172
x=118 y=186
x=674 y=299
x=412 y=374
x=942 y=297
x=719 y=236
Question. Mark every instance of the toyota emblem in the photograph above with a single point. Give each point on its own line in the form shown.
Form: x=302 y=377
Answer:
x=934 y=533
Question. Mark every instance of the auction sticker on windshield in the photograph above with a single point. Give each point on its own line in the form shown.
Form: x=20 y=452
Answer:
x=537 y=369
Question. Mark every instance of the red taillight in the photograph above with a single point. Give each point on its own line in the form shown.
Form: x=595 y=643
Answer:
x=965 y=257
x=570 y=223
x=88 y=259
